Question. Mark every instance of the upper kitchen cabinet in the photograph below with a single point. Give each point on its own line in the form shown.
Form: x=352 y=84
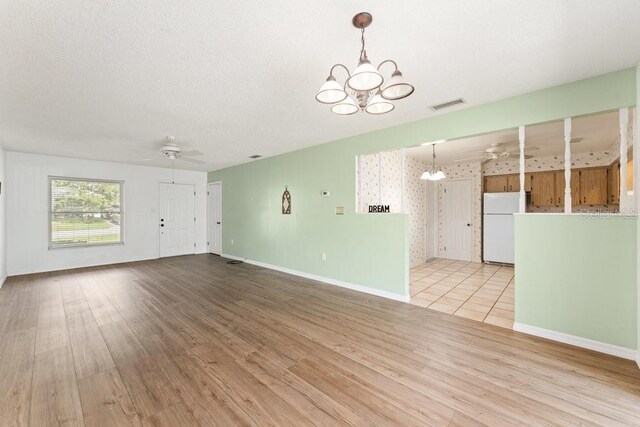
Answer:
x=513 y=182
x=496 y=184
x=614 y=184
x=559 y=188
x=506 y=183
x=593 y=186
x=543 y=189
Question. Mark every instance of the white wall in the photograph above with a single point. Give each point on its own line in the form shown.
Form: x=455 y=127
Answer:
x=3 y=218
x=27 y=211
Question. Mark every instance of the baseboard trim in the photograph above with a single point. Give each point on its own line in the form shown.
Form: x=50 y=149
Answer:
x=372 y=291
x=614 y=350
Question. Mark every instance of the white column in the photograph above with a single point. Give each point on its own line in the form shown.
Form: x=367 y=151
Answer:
x=523 y=195
x=567 y=165
x=624 y=128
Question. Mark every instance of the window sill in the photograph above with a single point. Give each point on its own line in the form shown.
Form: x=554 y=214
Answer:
x=93 y=245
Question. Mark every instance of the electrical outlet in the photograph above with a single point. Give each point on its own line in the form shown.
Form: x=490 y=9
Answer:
x=339 y=210
x=324 y=256
x=232 y=241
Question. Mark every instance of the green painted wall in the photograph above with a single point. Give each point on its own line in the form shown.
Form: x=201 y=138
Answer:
x=576 y=274
x=371 y=250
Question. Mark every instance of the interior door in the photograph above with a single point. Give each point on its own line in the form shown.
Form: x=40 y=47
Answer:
x=458 y=220
x=215 y=217
x=177 y=219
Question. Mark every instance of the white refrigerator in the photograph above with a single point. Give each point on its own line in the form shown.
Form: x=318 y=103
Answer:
x=498 y=233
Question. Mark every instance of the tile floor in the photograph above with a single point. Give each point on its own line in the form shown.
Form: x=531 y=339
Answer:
x=475 y=291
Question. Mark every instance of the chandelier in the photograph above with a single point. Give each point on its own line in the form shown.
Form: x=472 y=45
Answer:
x=435 y=174
x=364 y=89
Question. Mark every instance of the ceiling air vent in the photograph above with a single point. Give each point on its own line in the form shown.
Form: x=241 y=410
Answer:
x=255 y=156
x=447 y=104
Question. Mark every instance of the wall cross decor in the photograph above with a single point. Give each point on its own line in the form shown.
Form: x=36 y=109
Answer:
x=286 y=201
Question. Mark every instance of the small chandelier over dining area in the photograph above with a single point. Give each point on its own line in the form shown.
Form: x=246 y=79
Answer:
x=435 y=174
x=365 y=88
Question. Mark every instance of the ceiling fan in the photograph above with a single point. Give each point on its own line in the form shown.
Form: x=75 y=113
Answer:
x=172 y=151
x=499 y=151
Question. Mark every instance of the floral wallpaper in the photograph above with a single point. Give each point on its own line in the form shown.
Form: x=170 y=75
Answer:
x=376 y=189
x=391 y=182
x=472 y=171
x=368 y=181
x=598 y=158
x=415 y=206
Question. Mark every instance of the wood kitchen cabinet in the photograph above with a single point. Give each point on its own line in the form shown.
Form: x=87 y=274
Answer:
x=506 y=183
x=543 y=189
x=495 y=184
x=594 y=189
x=513 y=182
x=614 y=184
x=559 y=188
x=575 y=187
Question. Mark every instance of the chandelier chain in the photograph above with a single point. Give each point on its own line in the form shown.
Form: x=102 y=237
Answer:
x=363 y=53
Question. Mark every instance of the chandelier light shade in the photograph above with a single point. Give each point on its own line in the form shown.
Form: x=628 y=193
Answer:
x=435 y=174
x=397 y=88
x=331 y=92
x=364 y=89
x=378 y=105
x=365 y=77
x=346 y=107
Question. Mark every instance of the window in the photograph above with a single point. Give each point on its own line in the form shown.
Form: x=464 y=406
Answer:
x=84 y=212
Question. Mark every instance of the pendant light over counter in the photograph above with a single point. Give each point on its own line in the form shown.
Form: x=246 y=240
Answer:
x=435 y=174
x=365 y=88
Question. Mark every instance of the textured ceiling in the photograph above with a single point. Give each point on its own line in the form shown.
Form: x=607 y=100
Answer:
x=103 y=80
x=599 y=132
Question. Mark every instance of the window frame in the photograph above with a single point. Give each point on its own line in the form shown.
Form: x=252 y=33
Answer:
x=53 y=246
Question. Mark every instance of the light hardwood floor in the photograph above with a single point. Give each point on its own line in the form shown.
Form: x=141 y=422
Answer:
x=192 y=340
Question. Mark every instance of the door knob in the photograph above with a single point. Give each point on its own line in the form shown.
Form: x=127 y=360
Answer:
x=218 y=222
x=161 y=225
x=468 y=225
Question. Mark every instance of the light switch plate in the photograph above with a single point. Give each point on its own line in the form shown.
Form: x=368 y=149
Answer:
x=339 y=210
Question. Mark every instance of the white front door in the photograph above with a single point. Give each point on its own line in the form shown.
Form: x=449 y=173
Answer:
x=458 y=220
x=214 y=210
x=177 y=219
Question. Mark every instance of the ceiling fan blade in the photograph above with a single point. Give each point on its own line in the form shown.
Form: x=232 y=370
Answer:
x=192 y=153
x=196 y=161
x=144 y=150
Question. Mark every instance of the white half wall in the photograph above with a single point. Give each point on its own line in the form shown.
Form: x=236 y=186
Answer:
x=3 y=218
x=27 y=211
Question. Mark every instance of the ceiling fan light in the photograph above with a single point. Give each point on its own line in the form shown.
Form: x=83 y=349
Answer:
x=397 y=88
x=378 y=105
x=439 y=175
x=426 y=175
x=346 y=107
x=365 y=77
x=331 y=92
